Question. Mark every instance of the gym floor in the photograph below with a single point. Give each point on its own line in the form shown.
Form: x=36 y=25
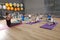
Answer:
x=30 y=32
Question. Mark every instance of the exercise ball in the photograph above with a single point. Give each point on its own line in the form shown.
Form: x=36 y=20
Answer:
x=10 y=4
x=12 y=8
x=8 y=8
x=21 y=5
x=7 y=4
x=0 y=6
x=4 y=7
x=18 y=9
x=15 y=9
x=14 y=4
x=21 y=8
x=17 y=4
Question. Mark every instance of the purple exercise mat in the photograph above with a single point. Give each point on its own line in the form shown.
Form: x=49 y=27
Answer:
x=50 y=27
x=33 y=22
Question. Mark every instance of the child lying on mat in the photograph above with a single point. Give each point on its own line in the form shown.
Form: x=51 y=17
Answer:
x=34 y=19
x=51 y=21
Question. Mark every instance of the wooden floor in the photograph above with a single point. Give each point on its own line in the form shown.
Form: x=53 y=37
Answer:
x=30 y=32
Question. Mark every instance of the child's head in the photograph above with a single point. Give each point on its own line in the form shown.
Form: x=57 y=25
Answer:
x=7 y=13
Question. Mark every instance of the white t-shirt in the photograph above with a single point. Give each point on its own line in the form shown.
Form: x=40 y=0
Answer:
x=41 y=16
x=29 y=15
x=52 y=20
x=37 y=18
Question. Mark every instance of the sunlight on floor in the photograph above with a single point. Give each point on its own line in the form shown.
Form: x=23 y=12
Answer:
x=2 y=25
x=3 y=34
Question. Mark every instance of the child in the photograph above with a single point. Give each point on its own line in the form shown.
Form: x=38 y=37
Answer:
x=20 y=17
x=8 y=19
x=52 y=21
x=37 y=19
x=26 y=18
x=23 y=17
x=49 y=17
x=41 y=16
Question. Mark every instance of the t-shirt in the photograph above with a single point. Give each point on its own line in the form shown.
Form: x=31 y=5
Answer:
x=23 y=18
x=37 y=18
x=49 y=17
x=29 y=15
x=52 y=20
x=41 y=16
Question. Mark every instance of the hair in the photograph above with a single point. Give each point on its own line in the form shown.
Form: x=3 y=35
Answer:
x=7 y=13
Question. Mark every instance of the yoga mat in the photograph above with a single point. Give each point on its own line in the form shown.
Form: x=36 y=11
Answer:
x=47 y=26
x=3 y=27
x=33 y=22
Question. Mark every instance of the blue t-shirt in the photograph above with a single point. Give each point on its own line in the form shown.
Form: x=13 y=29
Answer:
x=49 y=17
x=22 y=18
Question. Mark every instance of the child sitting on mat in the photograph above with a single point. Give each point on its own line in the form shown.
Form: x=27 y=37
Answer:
x=34 y=19
x=49 y=17
x=37 y=19
x=51 y=21
x=41 y=16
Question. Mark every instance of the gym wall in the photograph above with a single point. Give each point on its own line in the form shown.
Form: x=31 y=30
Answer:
x=42 y=6
x=34 y=6
x=53 y=7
